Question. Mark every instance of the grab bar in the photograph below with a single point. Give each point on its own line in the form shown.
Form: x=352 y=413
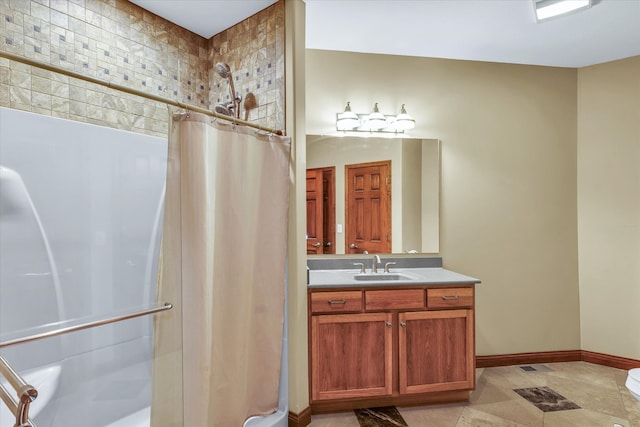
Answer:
x=26 y=394
x=86 y=325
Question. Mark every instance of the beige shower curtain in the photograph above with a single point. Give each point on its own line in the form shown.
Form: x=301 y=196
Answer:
x=217 y=353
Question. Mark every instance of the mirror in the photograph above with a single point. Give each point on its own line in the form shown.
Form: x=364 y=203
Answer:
x=414 y=189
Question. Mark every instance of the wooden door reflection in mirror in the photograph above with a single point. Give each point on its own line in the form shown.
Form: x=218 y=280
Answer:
x=368 y=208
x=415 y=185
x=321 y=211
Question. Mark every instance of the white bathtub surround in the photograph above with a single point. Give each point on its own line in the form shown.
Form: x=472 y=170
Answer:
x=223 y=267
x=89 y=195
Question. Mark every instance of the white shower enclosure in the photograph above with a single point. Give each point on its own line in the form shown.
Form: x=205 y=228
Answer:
x=80 y=220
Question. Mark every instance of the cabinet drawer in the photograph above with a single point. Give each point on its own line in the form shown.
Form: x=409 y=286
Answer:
x=336 y=302
x=403 y=299
x=449 y=297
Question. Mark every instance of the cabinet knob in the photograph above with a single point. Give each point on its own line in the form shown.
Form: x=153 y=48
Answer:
x=388 y=324
x=403 y=324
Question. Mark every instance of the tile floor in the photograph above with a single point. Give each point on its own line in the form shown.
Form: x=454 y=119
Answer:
x=570 y=394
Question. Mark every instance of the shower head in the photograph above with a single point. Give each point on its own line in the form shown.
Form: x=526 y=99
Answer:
x=223 y=70
x=225 y=109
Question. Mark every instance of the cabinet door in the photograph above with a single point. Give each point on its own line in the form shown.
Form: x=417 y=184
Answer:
x=436 y=351
x=351 y=355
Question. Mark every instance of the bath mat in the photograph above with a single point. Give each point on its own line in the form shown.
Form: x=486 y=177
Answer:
x=546 y=399
x=385 y=416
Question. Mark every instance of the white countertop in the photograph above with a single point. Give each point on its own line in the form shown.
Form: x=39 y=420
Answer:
x=411 y=276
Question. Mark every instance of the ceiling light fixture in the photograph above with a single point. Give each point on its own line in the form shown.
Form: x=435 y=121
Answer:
x=546 y=9
x=374 y=122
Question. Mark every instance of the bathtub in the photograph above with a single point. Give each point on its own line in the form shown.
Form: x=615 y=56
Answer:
x=279 y=418
x=95 y=198
x=80 y=209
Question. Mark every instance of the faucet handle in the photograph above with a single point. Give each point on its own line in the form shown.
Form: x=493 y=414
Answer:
x=361 y=265
x=386 y=266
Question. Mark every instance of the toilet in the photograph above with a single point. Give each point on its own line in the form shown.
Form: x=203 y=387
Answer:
x=633 y=382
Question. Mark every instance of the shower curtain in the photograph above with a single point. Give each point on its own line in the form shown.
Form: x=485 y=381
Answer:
x=217 y=353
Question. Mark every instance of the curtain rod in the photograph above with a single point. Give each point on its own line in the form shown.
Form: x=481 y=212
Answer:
x=125 y=89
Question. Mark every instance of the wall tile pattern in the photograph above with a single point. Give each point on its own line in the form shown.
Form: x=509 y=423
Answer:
x=121 y=43
x=254 y=50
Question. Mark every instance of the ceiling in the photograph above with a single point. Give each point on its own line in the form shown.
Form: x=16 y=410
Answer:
x=482 y=30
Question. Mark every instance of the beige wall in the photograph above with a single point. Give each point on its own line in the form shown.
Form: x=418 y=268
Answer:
x=295 y=65
x=411 y=219
x=508 y=201
x=609 y=206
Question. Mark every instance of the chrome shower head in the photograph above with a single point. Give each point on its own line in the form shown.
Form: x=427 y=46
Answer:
x=225 y=109
x=223 y=70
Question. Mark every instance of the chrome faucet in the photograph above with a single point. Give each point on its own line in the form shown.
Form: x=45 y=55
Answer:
x=374 y=265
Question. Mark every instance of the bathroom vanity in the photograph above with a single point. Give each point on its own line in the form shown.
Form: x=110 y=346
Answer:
x=403 y=336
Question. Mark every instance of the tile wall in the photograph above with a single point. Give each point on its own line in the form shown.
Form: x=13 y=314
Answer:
x=121 y=43
x=254 y=49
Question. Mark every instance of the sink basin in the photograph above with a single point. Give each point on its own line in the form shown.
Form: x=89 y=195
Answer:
x=381 y=277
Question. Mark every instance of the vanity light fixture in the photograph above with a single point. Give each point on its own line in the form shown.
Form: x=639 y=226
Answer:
x=403 y=120
x=546 y=9
x=374 y=122
x=348 y=119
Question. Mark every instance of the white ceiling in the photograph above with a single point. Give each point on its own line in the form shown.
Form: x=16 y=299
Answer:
x=482 y=30
x=204 y=17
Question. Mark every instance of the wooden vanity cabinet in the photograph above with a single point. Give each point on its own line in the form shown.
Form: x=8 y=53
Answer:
x=382 y=346
x=436 y=351
x=353 y=354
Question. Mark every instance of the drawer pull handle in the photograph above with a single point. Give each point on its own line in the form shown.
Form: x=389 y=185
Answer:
x=446 y=298
x=339 y=301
